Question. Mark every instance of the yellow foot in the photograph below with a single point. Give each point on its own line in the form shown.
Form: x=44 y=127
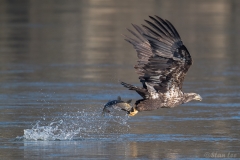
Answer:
x=133 y=112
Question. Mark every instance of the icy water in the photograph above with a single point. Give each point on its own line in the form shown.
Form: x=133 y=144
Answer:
x=61 y=61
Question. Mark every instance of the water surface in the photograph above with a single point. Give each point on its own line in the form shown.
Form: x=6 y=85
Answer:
x=61 y=61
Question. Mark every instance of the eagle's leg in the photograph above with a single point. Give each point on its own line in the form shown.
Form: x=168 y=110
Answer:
x=132 y=112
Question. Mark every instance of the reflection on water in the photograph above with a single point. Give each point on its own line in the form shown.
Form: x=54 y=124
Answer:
x=60 y=58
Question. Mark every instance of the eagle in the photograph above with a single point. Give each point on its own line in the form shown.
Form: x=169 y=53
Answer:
x=163 y=61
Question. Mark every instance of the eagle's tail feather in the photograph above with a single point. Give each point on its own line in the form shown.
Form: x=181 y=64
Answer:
x=141 y=91
x=130 y=87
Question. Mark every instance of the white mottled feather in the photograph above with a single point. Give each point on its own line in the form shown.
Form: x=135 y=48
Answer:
x=152 y=91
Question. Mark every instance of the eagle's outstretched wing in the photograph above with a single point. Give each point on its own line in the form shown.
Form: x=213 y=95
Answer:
x=163 y=60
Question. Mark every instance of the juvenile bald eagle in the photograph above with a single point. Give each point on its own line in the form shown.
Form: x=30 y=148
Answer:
x=163 y=62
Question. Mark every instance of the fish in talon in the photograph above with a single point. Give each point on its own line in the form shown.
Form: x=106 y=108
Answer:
x=117 y=104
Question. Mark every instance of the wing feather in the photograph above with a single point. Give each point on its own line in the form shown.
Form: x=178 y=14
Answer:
x=163 y=60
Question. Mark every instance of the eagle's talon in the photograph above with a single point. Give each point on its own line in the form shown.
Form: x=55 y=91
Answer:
x=133 y=112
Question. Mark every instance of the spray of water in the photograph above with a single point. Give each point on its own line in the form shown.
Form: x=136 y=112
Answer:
x=77 y=126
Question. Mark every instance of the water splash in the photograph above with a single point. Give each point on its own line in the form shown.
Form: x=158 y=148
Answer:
x=77 y=126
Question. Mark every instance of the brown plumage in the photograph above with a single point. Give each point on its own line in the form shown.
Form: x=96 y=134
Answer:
x=163 y=62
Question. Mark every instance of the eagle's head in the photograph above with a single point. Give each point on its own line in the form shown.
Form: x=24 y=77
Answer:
x=192 y=96
x=197 y=97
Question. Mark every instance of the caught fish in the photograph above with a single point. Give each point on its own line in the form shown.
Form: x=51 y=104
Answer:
x=118 y=104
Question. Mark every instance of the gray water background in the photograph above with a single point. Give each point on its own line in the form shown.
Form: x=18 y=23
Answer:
x=61 y=61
